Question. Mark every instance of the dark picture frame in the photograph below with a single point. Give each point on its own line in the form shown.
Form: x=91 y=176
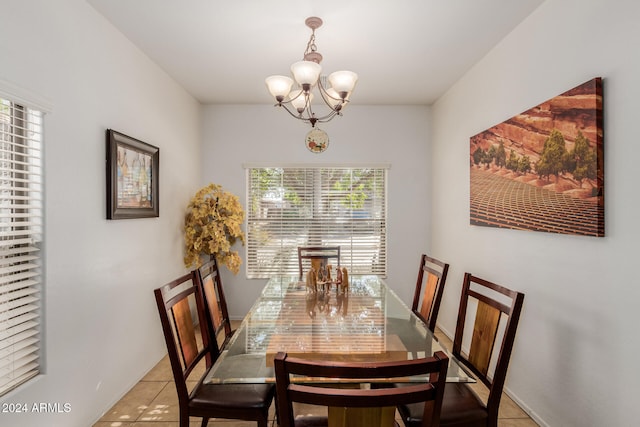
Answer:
x=133 y=183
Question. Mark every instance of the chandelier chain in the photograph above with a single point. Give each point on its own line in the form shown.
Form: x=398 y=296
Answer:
x=311 y=44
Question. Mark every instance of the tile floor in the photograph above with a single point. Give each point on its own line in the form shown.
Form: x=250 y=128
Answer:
x=153 y=403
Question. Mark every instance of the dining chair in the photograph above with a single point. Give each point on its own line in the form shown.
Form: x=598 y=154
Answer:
x=216 y=312
x=360 y=406
x=432 y=276
x=316 y=256
x=484 y=346
x=181 y=311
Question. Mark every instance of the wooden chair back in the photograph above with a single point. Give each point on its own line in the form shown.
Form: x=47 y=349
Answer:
x=432 y=276
x=316 y=256
x=333 y=395
x=180 y=308
x=485 y=345
x=216 y=312
x=182 y=315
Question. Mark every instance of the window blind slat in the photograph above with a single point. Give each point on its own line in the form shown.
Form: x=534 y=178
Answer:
x=19 y=333
x=19 y=342
x=5 y=257
x=21 y=213
x=19 y=324
x=21 y=353
x=9 y=300
x=18 y=376
x=14 y=242
x=10 y=287
x=291 y=207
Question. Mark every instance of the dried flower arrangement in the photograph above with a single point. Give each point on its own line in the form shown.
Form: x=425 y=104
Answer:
x=211 y=227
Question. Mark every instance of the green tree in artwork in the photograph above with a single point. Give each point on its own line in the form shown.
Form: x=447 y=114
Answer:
x=524 y=164
x=501 y=156
x=492 y=154
x=513 y=161
x=553 y=160
x=478 y=155
x=584 y=159
x=487 y=158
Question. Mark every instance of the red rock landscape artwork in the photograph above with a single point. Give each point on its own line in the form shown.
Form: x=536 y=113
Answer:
x=543 y=170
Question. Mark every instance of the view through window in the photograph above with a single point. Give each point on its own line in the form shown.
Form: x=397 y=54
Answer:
x=289 y=207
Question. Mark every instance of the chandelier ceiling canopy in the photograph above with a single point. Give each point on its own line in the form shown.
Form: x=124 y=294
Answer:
x=307 y=77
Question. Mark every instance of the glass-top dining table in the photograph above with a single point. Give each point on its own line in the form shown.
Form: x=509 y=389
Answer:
x=367 y=322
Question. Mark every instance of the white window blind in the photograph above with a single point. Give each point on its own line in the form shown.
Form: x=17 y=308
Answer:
x=316 y=206
x=20 y=241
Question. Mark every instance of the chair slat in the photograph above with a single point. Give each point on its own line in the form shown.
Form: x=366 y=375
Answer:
x=428 y=295
x=361 y=417
x=216 y=313
x=485 y=329
x=213 y=303
x=431 y=286
x=186 y=331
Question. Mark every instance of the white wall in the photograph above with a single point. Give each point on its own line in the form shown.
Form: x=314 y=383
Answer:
x=575 y=357
x=101 y=329
x=237 y=134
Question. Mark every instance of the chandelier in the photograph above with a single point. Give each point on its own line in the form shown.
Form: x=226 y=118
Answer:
x=297 y=101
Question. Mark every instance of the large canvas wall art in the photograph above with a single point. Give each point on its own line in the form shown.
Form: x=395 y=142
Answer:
x=543 y=170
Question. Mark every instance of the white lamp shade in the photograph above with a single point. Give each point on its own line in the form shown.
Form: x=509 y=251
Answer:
x=306 y=72
x=300 y=101
x=279 y=85
x=343 y=81
x=335 y=99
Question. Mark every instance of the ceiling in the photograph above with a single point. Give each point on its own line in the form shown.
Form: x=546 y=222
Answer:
x=404 y=51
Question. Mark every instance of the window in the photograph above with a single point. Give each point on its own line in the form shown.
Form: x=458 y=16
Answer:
x=316 y=206
x=21 y=233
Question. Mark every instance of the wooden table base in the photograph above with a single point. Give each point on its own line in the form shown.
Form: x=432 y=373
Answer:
x=362 y=417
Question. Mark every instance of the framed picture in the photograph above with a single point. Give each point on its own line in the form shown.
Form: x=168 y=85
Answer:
x=133 y=169
x=543 y=169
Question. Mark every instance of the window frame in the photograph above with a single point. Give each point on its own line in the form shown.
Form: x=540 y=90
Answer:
x=327 y=213
x=21 y=237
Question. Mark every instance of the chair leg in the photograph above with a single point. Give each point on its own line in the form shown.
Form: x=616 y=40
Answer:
x=275 y=402
x=205 y=421
x=184 y=419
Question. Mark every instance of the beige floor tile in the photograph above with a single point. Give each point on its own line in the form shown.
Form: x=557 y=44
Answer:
x=113 y=424
x=198 y=371
x=480 y=390
x=301 y=409
x=194 y=422
x=509 y=409
x=444 y=340
x=230 y=423
x=134 y=403
x=164 y=407
x=160 y=372
x=519 y=422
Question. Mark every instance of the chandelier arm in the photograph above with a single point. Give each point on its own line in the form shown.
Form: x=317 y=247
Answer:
x=296 y=114
x=323 y=119
x=325 y=94
x=327 y=116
